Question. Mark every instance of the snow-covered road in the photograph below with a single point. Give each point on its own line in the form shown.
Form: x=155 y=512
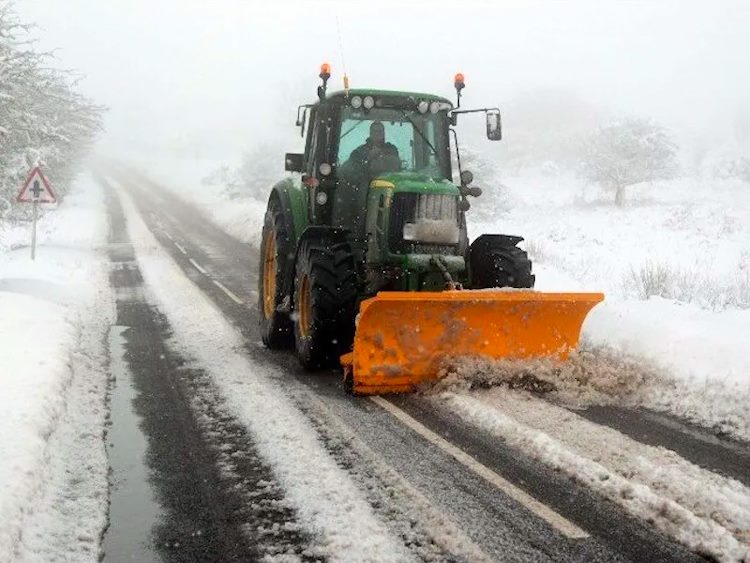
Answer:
x=411 y=467
x=226 y=451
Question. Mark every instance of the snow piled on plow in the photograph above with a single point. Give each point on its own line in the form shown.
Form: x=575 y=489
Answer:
x=601 y=375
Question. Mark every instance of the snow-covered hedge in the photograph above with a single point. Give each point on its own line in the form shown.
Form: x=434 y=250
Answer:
x=260 y=168
x=43 y=120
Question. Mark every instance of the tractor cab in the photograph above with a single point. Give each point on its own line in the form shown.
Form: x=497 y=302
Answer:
x=358 y=140
x=357 y=136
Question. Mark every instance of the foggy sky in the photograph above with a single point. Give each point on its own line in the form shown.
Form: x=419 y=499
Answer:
x=226 y=73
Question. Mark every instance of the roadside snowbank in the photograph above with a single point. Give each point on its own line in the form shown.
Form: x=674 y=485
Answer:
x=596 y=375
x=55 y=312
x=327 y=501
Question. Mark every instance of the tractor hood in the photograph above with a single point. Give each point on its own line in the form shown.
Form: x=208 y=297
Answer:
x=414 y=182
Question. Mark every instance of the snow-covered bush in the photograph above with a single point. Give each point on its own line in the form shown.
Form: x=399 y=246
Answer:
x=628 y=152
x=261 y=168
x=731 y=167
x=43 y=120
x=690 y=286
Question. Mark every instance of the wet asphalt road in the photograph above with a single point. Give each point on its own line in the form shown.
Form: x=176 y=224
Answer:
x=206 y=514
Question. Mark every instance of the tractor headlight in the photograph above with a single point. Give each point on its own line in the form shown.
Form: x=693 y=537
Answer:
x=423 y=106
x=321 y=198
x=356 y=102
x=368 y=102
x=438 y=106
x=467 y=177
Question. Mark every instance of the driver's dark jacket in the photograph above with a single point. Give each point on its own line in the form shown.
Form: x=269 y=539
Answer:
x=360 y=154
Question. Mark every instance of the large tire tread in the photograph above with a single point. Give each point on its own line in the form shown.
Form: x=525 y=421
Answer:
x=333 y=283
x=277 y=331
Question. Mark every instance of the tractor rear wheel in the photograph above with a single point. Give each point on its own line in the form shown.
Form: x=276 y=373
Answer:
x=275 y=266
x=496 y=261
x=325 y=298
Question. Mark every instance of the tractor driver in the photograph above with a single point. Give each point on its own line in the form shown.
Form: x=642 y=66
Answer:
x=376 y=155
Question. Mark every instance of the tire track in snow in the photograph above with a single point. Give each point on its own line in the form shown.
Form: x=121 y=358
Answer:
x=427 y=532
x=561 y=524
x=704 y=493
x=701 y=532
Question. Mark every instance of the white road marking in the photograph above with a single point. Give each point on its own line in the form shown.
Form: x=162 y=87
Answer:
x=557 y=521
x=226 y=290
x=166 y=234
x=198 y=267
x=181 y=248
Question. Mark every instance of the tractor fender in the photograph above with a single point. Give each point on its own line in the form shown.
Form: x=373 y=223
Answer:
x=290 y=193
x=314 y=232
x=495 y=240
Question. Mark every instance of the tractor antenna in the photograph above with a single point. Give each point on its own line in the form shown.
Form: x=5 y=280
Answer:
x=343 y=61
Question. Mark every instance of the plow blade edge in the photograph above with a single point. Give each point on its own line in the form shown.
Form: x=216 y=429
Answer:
x=405 y=338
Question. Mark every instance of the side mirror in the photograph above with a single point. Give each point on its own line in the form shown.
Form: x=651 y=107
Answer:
x=293 y=162
x=494 y=125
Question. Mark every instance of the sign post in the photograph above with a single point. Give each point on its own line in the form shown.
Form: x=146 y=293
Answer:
x=36 y=190
x=33 y=234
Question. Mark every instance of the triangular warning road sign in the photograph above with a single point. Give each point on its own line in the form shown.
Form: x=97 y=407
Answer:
x=37 y=188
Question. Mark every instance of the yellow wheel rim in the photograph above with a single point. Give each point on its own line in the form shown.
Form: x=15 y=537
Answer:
x=269 y=276
x=305 y=307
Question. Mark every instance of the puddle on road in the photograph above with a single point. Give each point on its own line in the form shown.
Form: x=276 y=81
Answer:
x=133 y=511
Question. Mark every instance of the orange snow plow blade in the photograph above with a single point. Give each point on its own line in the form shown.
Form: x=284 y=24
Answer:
x=404 y=338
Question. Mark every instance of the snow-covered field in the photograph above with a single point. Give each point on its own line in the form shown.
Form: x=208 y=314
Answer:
x=674 y=263
x=55 y=313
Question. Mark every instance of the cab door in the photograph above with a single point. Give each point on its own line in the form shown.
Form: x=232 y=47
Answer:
x=320 y=185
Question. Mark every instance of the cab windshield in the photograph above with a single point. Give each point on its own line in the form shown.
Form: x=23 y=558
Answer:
x=414 y=142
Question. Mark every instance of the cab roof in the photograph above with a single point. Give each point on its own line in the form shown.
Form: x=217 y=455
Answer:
x=388 y=93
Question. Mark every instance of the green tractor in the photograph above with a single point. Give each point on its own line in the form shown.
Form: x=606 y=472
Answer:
x=371 y=210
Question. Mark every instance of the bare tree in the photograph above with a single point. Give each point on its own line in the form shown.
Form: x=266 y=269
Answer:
x=628 y=152
x=43 y=120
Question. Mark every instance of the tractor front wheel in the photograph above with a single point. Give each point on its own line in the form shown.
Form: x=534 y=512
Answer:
x=325 y=297
x=496 y=261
